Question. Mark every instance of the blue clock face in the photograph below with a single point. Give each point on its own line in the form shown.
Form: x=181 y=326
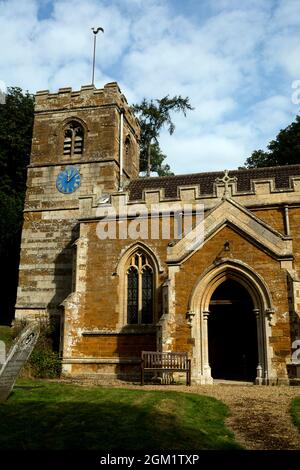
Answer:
x=68 y=180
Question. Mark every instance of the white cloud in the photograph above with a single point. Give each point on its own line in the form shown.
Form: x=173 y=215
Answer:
x=2 y=86
x=203 y=153
x=267 y=113
x=235 y=60
x=286 y=15
x=48 y=51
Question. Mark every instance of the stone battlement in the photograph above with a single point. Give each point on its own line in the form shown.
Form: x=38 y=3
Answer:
x=272 y=183
x=87 y=96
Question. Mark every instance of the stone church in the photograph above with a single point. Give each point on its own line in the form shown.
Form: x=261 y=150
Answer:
x=226 y=289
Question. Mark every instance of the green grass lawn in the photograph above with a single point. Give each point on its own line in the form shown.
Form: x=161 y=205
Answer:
x=50 y=415
x=295 y=411
x=6 y=335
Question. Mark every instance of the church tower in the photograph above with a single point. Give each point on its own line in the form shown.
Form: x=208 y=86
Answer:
x=85 y=143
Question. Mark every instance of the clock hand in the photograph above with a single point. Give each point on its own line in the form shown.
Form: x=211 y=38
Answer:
x=70 y=175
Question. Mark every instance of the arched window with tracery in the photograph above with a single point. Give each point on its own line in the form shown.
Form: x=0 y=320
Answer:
x=140 y=289
x=73 y=139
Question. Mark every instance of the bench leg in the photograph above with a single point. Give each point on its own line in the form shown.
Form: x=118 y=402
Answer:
x=142 y=373
x=188 y=373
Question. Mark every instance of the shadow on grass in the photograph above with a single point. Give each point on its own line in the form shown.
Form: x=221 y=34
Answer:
x=25 y=387
x=112 y=419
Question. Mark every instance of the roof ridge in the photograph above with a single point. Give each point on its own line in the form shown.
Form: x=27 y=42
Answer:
x=170 y=184
x=217 y=172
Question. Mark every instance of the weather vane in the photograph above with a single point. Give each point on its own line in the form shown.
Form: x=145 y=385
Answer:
x=95 y=31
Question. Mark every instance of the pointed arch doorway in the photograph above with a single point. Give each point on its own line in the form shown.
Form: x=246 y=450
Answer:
x=232 y=333
x=234 y=288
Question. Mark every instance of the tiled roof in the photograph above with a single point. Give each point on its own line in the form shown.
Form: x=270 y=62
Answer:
x=281 y=175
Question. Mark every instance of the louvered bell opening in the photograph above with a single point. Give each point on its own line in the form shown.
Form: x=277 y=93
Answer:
x=67 y=145
x=78 y=144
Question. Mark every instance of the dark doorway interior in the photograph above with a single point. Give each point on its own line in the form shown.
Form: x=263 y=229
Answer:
x=232 y=333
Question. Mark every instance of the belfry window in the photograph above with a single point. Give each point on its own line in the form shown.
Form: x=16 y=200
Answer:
x=139 y=290
x=73 y=139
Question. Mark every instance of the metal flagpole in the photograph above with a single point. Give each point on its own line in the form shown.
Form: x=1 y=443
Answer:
x=95 y=31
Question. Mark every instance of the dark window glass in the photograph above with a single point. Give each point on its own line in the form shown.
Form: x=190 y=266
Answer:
x=147 y=292
x=132 y=296
x=140 y=290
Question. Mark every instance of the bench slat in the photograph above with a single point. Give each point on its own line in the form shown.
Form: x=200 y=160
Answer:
x=166 y=362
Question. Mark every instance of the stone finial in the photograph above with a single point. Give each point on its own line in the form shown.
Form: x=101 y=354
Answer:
x=226 y=181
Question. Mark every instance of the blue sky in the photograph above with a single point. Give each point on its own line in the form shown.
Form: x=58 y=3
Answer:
x=236 y=60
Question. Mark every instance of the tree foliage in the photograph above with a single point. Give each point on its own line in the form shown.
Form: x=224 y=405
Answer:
x=157 y=159
x=284 y=150
x=16 y=121
x=153 y=116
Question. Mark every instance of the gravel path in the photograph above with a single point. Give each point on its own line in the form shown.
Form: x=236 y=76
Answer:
x=260 y=416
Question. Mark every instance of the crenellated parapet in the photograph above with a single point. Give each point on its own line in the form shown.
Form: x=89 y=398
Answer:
x=87 y=96
x=252 y=188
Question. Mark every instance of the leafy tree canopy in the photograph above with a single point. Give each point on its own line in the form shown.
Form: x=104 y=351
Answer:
x=153 y=116
x=284 y=150
x=16 y=121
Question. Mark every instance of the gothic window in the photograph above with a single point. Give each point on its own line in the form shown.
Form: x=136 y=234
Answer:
x=140 y=285
x=73 y=139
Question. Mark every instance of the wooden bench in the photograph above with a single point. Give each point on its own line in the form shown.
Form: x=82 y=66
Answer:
x=165 y=362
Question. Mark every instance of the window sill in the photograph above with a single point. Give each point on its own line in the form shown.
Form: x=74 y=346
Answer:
x=125 y=331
